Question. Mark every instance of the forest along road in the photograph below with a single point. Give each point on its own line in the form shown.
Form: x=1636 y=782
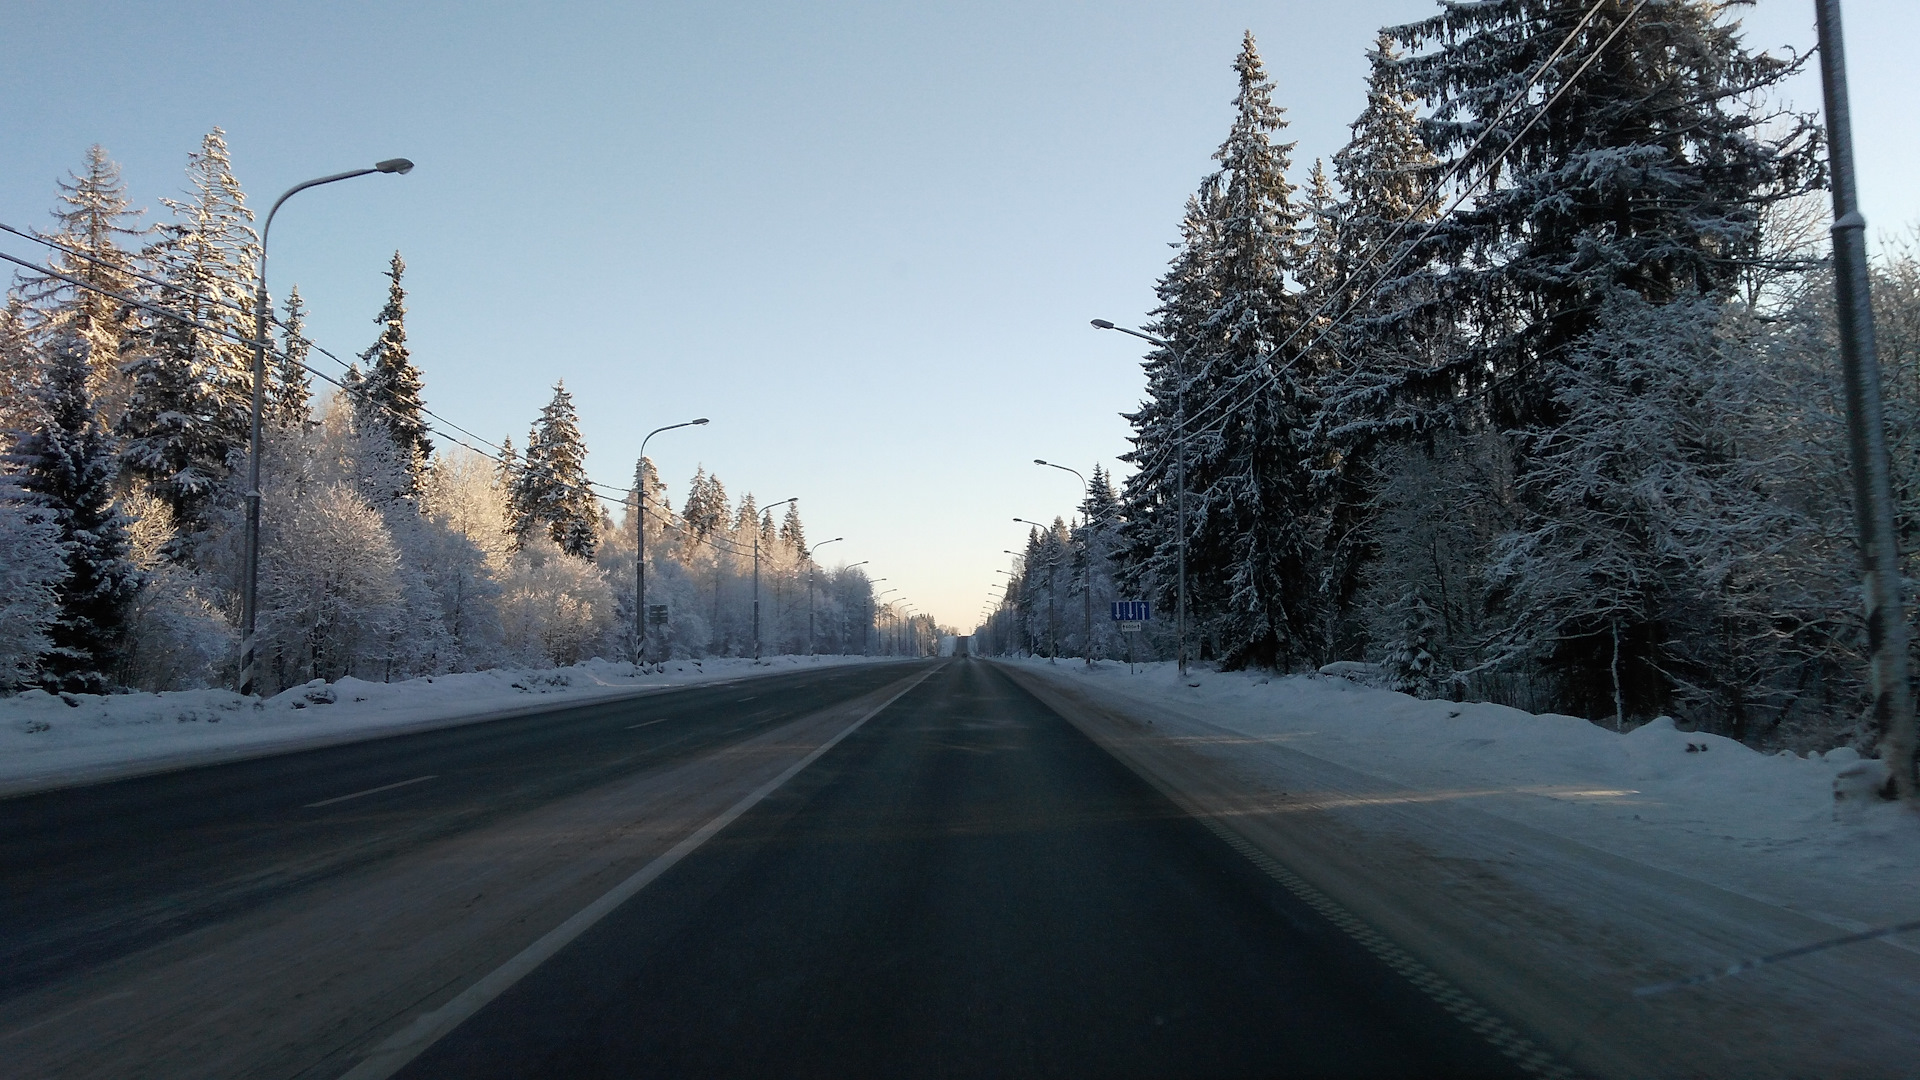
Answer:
x=269 y=916
x=965 y=886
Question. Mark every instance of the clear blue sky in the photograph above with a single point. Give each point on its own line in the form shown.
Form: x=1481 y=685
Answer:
x=865 y=238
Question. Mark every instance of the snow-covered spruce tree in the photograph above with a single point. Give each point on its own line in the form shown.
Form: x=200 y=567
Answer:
x=65 y=466
x=92 y=223
x=1384 y=170
x=792 y=532
x=1149 y=540
x=186 y=422
x=32 y=568
x=1094 y=545
x=391 y=395
x=746 y=519
x=19 y=365
x=707 y=509
x=551 y=489
x=1662 y=525
x=1649 y=177
x=1248 y=558
x=289 y=397
x=1410 y=664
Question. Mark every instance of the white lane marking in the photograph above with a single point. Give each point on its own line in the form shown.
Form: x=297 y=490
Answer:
x=409 y=1042
x=649 y=723
x=369 y=791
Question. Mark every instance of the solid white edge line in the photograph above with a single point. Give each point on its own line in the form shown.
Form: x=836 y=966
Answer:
x=411 y=1041
x=369 y=791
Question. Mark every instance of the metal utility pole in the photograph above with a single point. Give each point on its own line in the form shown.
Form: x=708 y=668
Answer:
x=1866 y=425
x=756 y=572
x=262 y=319
x=1086 y=547
x=640 y=540
x=808 y=555
x=1180 y=477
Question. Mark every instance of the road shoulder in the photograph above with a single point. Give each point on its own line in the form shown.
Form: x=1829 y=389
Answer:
x=1552 y=934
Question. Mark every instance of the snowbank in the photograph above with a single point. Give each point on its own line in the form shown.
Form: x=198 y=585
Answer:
x=50 y=741
x=1703 y=806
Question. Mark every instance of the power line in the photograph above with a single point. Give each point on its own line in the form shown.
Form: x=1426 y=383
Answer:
x=496 y=454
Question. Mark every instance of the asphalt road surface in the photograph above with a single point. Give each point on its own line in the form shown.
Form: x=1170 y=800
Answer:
x=966 y=886
x=90 y=875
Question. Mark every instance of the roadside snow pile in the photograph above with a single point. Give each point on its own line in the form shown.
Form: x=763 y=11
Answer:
x=1700 y=805
x=49 y=739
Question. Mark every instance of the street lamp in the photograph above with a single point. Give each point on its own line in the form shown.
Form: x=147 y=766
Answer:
x=1086 y=546
x=640 y=537
x=250 y=584
x=808 y=555
x=1180 y=473
x=1053 y=562
x=756 y=573
x=1873 y=505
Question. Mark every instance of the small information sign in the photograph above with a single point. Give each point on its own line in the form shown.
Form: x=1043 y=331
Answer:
x=1131 y=626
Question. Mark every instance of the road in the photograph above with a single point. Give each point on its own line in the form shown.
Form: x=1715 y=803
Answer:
x=965 y=885
x=88 y=875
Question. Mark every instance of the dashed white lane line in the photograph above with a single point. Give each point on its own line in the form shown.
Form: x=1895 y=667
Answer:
x=408 y=1043
x=369 y=791
x=649 y=723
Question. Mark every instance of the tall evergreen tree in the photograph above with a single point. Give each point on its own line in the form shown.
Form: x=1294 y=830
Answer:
x=552 y=488
x=1251 y=549
x=290 y=389
x=1646 y=183
x=1188 y=293
x=93 y=222
x=1385 y=170
x=393 y=386
x=792 y=532
x=707 y=509
x=66 y=467
x=187 y=417
x=1649 y=175
x=19 y=365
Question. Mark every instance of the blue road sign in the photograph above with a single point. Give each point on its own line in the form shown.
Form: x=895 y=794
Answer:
x=1132 y=611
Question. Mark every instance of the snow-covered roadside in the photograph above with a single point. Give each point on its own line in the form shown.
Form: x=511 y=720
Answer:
x=51 y=741
x=1707 y=807
x=1576 y=881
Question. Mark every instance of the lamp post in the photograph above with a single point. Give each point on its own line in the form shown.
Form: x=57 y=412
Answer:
x=640 y=539
x=756 y=573
x=1012 y=599
x=1873 y=507
x=1053 y=563
x=808 y=555
x=1021 y=605
x=1086 y=546
x=1180 y=481
x=250 y=584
